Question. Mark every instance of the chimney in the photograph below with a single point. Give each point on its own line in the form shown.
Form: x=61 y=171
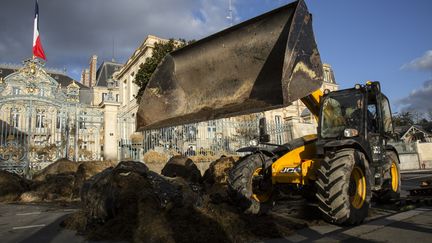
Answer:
x=93 y=66
x=85 y=77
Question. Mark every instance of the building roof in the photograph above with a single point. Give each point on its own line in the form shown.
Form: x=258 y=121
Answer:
x=65 y=80
x=106 y=71
x=6 y=71
x=415 y=132
x=60 y=77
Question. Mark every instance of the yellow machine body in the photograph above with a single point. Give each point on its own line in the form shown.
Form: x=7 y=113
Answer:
x=298 y=166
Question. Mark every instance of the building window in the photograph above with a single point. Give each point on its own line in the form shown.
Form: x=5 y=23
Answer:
x=14 y=117
x=117 y=97
x=40 y=120
x=42 y=92
x=278 y=121
x=16 y=90
x=211 y=129
x=58 y=122
x=278 y=127
x=82 y=123
x=104 y=96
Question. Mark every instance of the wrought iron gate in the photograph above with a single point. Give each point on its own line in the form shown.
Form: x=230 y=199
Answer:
x=36 y=132
x=41 y=121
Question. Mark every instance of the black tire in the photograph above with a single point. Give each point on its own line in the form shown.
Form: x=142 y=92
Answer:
x=240 y=185
x=335 y=185
x=390 y=192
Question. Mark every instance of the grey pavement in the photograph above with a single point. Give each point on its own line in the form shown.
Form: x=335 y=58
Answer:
x=409 y=226
x=36 y=223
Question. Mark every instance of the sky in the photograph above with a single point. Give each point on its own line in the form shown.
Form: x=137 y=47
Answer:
x=387 y=40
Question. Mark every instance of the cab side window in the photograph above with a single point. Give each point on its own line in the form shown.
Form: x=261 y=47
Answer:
x=371 y=117
x=386 y=115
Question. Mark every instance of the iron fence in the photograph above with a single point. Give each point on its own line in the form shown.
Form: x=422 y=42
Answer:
x=35 y=132
x=212 y=138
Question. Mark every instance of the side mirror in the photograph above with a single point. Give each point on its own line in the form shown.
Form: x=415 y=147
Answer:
x=263 y=136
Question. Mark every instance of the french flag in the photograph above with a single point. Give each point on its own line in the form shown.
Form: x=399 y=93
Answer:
x=37 y=45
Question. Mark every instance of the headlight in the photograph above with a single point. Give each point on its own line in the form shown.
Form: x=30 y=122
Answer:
x=253 y=142
x=350 y=132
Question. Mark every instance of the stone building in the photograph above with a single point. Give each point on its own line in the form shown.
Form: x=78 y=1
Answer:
x=104 y=94
x=128 y=89
x=44 y=117
x=97 y=81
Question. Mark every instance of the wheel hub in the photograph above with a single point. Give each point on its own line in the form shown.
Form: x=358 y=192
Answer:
x=357 y=188
x=394 y=177
x=261 y=191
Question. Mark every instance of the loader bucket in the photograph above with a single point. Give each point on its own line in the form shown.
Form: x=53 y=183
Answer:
x=261 y=64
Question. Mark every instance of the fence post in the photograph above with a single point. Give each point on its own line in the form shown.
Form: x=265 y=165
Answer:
x=420 y=159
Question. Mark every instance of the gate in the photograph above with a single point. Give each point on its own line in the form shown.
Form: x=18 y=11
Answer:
x=35 y=133
x=41 y=121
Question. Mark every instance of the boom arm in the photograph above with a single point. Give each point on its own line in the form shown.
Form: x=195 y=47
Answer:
x=312 y=102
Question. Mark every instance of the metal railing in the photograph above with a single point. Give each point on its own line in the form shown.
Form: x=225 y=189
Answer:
x=212 y=138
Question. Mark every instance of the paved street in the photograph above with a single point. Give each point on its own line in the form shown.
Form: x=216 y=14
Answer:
x=384 y=225
x=35 y=223
x=410 y=226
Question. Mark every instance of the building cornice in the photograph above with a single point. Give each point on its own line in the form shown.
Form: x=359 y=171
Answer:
x=137 y=54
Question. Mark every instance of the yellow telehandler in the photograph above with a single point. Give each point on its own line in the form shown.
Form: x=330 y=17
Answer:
x=265 y=63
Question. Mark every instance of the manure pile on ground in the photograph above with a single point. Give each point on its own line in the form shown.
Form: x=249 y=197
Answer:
x=130 y=202
x=60 y=181
x=11 y=186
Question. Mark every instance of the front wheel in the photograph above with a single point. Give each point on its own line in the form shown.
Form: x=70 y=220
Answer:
x=249 y=187
x=343 y=187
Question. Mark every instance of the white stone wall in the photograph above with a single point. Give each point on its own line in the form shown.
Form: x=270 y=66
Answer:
x=127 y=88
x=409 y=161
x=97 y=93
x=110 y=131
x=425 y=154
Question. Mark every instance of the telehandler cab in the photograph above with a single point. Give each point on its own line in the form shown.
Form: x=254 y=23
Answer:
x=266 y=63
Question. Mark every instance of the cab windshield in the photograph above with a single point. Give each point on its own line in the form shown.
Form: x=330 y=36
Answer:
x=340 y=112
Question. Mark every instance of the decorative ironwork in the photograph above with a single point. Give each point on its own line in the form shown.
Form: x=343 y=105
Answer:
x=40 y=122
x=12 y=151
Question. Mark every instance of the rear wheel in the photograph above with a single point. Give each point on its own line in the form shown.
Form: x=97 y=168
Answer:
x=392 y=183
x=343 y=187
x=249 y=187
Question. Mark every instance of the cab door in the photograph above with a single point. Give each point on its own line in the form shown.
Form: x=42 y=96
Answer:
x=374 y=128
